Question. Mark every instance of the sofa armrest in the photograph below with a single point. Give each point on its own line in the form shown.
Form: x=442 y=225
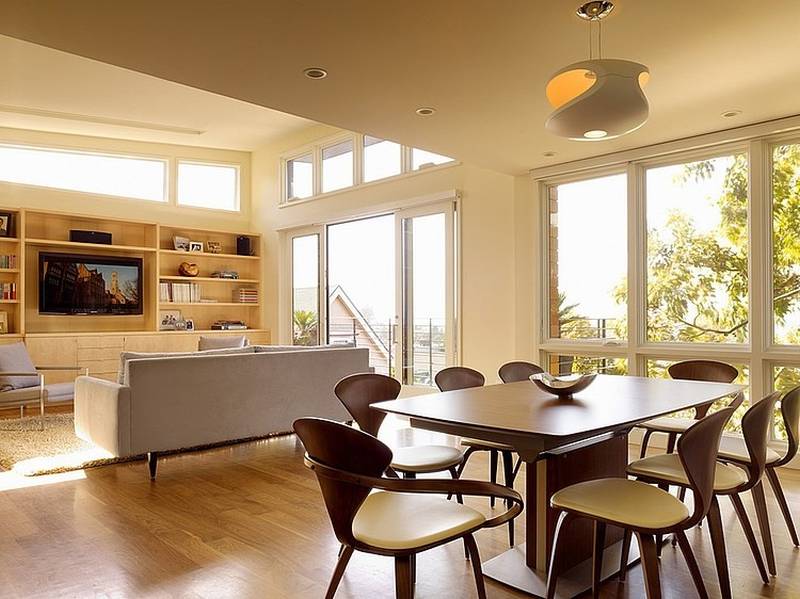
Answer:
x=103 y=414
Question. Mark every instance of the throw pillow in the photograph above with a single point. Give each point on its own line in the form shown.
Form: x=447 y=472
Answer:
x=14 y=357
x=221 y=342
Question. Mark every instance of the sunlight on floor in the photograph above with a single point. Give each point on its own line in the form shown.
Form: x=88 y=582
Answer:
x=12 y=480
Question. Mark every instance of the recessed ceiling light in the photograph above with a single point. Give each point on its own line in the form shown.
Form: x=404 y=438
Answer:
x=548 y=154
x=728 y=114
x=425 y=111
x=595 y=134
x=315 y=73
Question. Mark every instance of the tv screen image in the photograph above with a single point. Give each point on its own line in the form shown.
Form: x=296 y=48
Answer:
x=71 y=284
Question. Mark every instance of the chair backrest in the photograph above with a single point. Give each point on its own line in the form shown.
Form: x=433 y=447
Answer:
x=514 y=372
x=359 y=391
x=756 y=426
x=697 y=449
x=458 y=377
x=703 y=370
x=342 y=448
x=790 y=409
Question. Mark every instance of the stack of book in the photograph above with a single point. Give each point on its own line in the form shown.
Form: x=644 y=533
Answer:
x=9 y=291
x=246 y=296
x=8 y=261
x=181 y=293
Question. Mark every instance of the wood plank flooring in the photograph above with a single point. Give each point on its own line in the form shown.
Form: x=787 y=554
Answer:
x=248 y=521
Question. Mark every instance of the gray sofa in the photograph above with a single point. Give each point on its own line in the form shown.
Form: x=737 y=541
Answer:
x=175 y=402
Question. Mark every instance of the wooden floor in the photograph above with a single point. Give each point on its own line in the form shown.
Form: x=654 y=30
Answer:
x=248 y=521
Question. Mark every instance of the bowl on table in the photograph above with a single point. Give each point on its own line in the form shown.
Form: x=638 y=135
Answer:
x=562 y=386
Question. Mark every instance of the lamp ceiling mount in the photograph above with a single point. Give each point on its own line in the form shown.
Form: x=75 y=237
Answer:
x=596 y=10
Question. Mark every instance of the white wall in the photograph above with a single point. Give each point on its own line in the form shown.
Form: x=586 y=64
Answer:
x=489 y=328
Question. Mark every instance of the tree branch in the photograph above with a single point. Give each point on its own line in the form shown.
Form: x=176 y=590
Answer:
x=710 y=330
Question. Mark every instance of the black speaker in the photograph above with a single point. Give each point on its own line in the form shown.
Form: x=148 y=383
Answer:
x=90 y=236
x=243 y=245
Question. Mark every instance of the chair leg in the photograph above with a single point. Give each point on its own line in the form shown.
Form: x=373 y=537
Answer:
x=558 y=552
x=660 y=538
x=508 y=476
x=777 y=489
x=403 y=587
x=720 y=553
x=691 y=562
x=413 y=563
x=597 y=556
x=671 y=440
x=626 y=550
x=645 y=441
x=472 y=546
x=492 y=472
x=469 y=452
x=516 y=469
x=760 y=501
x=647 y=549
x=738 y=507
x=345 y=553
x=454 y=475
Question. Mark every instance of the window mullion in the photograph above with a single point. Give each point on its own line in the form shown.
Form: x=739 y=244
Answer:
x=637 y=252
x=760 y=267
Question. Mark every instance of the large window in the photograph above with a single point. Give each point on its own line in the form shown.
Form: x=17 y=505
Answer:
x=382 y=158
x=305 y=290
x=786 y=243
x=337 y=166
x=562 y=364
x=588 y=258
x=784 y=379
x=300 y=177
x=697 y=251
x=123 y=176
x=424 y=159
x=208 y=185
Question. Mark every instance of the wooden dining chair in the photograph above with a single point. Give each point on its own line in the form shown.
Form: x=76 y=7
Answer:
x=643 y=510
x=358 y=392
x=461 y=377
x=689 y=370
x=730 y=480
x=518 y=371
x=391 y=516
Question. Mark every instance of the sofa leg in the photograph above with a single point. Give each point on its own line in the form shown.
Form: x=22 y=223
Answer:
x=152 y=463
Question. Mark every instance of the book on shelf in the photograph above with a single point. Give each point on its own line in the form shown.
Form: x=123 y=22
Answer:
x=9 y=291
x=8 y=261
x=246 y=296
x=179 y=293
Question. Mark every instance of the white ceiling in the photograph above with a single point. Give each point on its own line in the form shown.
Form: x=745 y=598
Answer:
x=483 y=64
x=48 y=90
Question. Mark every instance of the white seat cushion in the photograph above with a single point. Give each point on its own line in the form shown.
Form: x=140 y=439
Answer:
x=734 y=448
x=668 y=424
x=622 y=501
x=490 y=444
x=668 y=467
x=405 y=520
x=54 y=393
x=426 y=458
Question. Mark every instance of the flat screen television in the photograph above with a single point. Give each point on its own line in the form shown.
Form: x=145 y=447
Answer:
x=73 y=284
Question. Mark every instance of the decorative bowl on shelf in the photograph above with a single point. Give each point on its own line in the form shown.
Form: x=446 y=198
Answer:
x=562 y=386
x=188 y=269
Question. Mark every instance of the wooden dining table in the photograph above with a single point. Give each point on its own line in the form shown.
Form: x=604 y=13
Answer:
x=562 y=442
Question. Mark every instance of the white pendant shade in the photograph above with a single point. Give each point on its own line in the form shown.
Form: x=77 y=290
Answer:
x=598 y=99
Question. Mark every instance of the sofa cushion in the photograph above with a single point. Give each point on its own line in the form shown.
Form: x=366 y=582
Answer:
x=222 y=342
x=14 y=357
x=126 y=356
x=58 y=392
x=266 y=349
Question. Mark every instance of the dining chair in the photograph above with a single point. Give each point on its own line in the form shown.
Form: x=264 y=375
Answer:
x=643 y=510
x=731 y=480
x=390 y=516
x=358 y=392
x=518 y=371
x=461 y=377
x=690 y=370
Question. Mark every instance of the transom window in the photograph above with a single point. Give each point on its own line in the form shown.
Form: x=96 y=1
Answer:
x=214 y=186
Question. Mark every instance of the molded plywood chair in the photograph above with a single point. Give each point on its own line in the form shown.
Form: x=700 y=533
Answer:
x=389 y=516
x=359 y=391
x=690 y=370
x=666 y=469
x=515 y=372
x=644 y=510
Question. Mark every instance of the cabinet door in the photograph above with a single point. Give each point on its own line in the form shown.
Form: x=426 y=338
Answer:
x=54 y=351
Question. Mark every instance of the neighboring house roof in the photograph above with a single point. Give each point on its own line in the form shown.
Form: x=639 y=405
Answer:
x=340 y=294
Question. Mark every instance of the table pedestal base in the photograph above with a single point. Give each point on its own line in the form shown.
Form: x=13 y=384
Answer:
x=510 y=569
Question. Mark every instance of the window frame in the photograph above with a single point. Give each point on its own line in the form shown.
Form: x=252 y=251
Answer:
x=195 y=162
x=329 y=143
x=760 y=354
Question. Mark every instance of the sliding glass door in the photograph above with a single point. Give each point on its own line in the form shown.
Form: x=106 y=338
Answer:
x=388 y=285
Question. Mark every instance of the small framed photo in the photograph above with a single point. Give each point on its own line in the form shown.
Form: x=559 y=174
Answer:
x=189 y=324
x=213 y=247
x=195 y=246
x=171 y=320
x=181 y=243
x=5 y=223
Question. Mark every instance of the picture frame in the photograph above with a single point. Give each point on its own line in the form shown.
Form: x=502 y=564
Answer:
x=189 y=324
x=6 y=223
x=181 y=243
x=195 y=246
x=214 y=247
x=170 y=320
